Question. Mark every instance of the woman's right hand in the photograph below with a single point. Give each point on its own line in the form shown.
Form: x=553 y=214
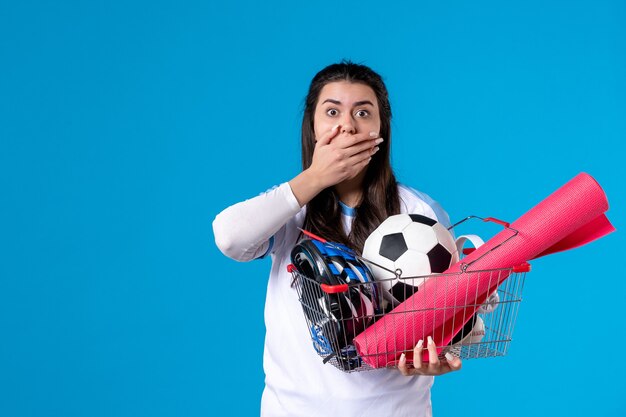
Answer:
x=433 y=367
x=342 y=156
x=336 y=158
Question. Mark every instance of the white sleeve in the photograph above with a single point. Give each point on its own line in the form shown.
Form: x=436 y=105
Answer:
x=243 y=231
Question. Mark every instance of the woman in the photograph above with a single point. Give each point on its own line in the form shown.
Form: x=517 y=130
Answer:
x=345 y=190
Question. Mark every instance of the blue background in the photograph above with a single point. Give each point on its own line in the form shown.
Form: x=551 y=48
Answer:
x=127 y=126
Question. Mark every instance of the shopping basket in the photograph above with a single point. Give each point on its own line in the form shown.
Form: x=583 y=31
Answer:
x=333 y=323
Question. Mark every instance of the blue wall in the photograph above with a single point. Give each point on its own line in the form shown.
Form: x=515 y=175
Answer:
x=125 y=127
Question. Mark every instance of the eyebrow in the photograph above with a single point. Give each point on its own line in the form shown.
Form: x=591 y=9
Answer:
x=356 y=103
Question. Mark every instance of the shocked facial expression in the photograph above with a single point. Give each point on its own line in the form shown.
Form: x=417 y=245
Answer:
x=352 y=106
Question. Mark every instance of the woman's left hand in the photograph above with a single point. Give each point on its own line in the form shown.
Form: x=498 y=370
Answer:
x=433 y=367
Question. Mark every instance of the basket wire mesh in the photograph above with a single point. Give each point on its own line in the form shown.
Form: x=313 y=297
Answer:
x=336 y=314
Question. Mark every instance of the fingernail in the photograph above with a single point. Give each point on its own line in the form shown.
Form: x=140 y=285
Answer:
x=379 y=140
x=430 y=340
x=449 y=356
x=375 y=150
x=402 y=356
x=373 y=134
x=335 y=127
x=420 y=343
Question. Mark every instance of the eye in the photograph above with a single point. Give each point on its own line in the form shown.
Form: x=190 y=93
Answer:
x=332 y=112
x=362 y=113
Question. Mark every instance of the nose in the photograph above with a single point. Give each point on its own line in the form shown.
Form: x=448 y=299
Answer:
x=347 y=124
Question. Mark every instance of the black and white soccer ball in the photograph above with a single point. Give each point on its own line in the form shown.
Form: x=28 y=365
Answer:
x=408 y=246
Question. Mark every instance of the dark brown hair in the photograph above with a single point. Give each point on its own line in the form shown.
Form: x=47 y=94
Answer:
x=380 y=190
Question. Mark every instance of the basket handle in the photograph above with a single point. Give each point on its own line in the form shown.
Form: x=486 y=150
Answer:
x=523 y=267
x=497 y=221
x=328 y=289
x=334 y=289
x=506 y=225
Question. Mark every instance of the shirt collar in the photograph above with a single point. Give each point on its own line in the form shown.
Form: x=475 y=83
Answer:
x=346 y=210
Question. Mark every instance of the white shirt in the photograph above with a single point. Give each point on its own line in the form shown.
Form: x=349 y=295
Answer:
x=297 y=383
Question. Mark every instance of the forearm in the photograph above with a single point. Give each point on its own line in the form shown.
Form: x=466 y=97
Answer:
x=241 y=229
x=305 y=186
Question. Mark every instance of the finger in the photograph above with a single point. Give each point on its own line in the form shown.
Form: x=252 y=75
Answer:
x=373 y=135
x=328 y=136
x=417 y=355
x=357 y=166
x=404 y=370
x=433 y=359
x=361 y=156
x=371 y=145
x=453 y=362
x=356 y=163
x=347 y=140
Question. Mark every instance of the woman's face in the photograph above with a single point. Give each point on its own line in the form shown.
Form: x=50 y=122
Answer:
x=352 y=106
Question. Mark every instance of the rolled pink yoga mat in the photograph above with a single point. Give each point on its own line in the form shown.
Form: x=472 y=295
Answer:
x=570 y=217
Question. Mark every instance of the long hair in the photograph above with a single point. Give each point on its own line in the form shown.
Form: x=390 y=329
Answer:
x=380 y=191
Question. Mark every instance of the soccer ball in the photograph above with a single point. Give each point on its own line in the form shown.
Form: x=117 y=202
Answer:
x=408 y=246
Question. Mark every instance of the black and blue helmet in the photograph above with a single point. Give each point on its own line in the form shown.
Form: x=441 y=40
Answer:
x=335 y=318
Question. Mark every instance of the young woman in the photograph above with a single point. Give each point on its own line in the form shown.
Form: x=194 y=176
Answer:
x=345 y=190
